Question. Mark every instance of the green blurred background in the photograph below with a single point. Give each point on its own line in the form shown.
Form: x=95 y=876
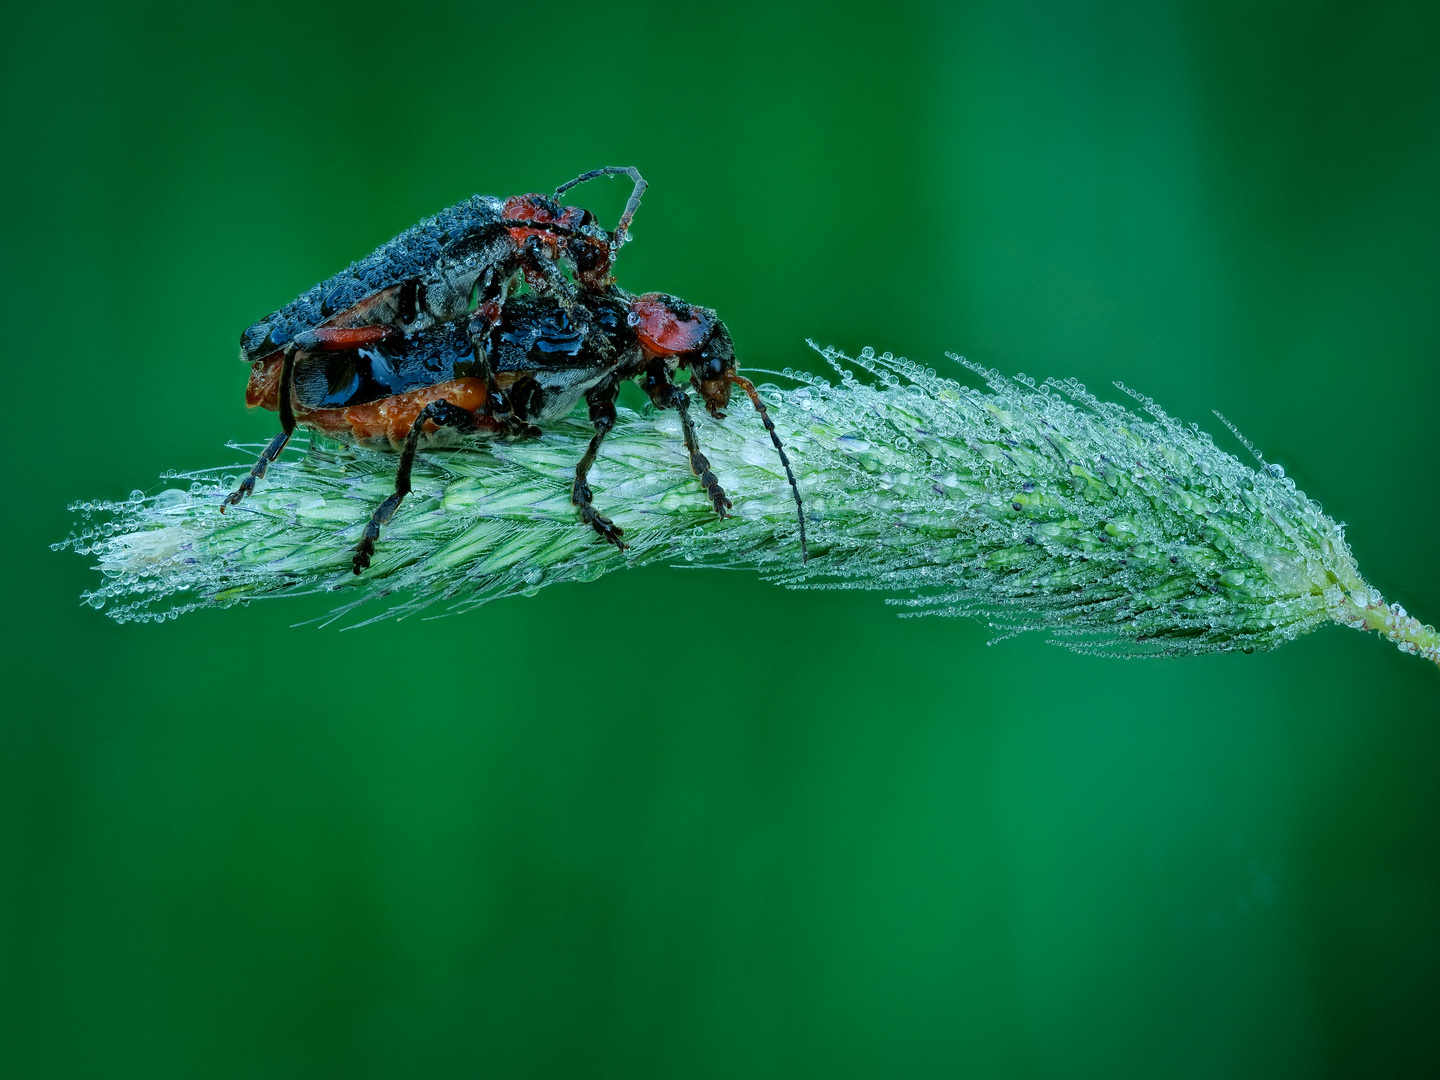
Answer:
x=535 y=840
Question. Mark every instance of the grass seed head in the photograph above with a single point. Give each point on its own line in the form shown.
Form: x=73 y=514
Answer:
x=1116 y=529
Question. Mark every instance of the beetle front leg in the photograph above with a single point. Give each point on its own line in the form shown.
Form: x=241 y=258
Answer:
x=602 y=415
x=666 y=395
x=497 y=401
x=542 y=275
x=491 y=304
x=445 y=415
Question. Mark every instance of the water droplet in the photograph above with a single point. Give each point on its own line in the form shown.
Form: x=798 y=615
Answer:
x=171 y=498
x=1276 y=470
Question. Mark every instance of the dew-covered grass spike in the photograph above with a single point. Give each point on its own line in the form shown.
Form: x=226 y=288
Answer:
x=1033 y=506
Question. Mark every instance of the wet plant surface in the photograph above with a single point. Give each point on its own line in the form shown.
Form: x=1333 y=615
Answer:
x=1036 y=506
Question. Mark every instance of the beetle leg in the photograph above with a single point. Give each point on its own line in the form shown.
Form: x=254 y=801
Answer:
x=497 y=405
x=543 y=275
x=445 y=415
x=490 y=296
x=699 y=463
x=321 y=339
x=602 y=415
x=666 y=395
x=277 y=444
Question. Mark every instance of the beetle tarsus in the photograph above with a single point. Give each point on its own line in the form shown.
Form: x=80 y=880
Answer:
x=382 y=515
x=247 y=486
x=607 y=529
x=443 y=414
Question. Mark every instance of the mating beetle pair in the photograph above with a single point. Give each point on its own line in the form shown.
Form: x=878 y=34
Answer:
x=421 y=345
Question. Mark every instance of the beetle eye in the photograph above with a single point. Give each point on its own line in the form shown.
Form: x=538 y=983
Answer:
x=714 y=368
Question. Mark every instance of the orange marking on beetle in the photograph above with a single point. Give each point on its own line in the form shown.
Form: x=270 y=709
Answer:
x=539 y=216
x=542 y=210
x=385 y=423
x=664 y=333
x=350 y=337
x=524 y=207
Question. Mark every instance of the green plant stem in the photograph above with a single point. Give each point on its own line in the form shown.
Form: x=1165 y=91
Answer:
x=1035 y=507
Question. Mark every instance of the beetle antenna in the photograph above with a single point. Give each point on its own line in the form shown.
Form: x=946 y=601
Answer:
x=622 y=231
x=749 y=388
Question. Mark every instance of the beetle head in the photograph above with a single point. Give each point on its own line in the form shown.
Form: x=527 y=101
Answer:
x=691 y=337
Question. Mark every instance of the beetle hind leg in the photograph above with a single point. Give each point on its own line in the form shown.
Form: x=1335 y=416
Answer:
x=445 y=415
x=308 y=342
x=602 y=415
x=277 y=444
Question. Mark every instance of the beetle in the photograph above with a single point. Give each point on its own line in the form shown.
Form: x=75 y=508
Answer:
x=419 y=389
x=432 y=273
